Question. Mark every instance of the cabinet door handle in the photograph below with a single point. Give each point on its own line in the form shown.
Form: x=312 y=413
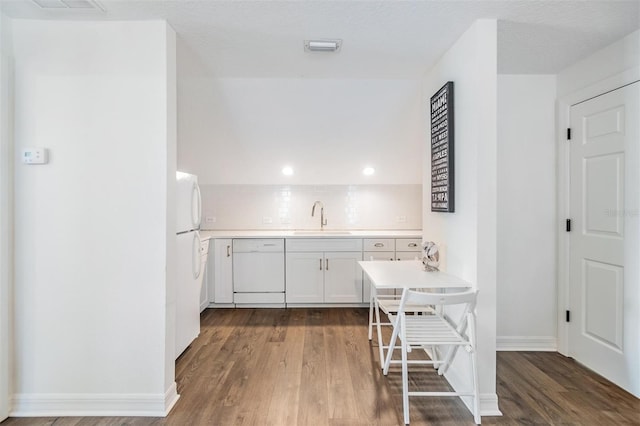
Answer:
x=413 y=245
x=320 y=264
x=378 y=245
x=228 y=251
x=326 y=261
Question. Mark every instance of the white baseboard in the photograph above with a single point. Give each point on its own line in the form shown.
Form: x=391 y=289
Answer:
x=170 y=398
x=94 y=405
x=328 y=305
x=527 y=343
x=489 y=405
x=222 y=305
x=488 y=401
x=259 y=305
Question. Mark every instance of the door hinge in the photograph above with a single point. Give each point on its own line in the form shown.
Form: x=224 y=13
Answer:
x=569 y=134
x=568 y=225
x=568 y=316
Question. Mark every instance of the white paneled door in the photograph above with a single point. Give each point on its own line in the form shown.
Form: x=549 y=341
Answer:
x=604 y=327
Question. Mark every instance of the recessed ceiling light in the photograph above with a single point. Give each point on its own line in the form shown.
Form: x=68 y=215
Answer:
x=287 y=170
x=322 y=45
x=368 y=171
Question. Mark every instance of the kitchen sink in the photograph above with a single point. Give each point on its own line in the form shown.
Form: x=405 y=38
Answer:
x=328 y=233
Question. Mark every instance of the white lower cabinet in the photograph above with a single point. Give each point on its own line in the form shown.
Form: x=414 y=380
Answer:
x=316 y=270
x=222 y=282
x=342 y=277
x=305 y=278
x=323 y=275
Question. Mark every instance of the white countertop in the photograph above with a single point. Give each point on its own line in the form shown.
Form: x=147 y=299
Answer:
x=309 y=233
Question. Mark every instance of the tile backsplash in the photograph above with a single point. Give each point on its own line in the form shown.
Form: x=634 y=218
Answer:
x=396 y=207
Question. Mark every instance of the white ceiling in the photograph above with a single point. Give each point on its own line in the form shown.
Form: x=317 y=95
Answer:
x=381 y=39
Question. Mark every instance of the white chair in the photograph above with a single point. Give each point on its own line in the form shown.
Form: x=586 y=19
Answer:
x=374 y=308
x=434 y=331
x=388 y=304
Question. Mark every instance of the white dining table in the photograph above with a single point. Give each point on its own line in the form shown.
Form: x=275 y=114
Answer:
x=402 y=274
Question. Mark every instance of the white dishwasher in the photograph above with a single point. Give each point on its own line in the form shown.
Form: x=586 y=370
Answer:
x=258 y=271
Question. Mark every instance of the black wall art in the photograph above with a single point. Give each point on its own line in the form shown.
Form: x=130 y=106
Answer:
x=442 y=189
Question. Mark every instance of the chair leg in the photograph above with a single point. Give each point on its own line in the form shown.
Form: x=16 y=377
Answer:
x=371 y=313
x=392 y=344
x=434 y=357
x=405 y=383
x=379 y=331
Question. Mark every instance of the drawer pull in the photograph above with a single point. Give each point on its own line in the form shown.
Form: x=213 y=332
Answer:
x=269 y=245
x=320 y=264
x=327 y=264
x=413 y=245
x=378 y=245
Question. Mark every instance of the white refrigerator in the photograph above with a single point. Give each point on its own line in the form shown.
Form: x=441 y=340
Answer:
x=188 y=266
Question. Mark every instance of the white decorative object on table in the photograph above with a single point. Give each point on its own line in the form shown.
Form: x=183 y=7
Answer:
x=430 y=256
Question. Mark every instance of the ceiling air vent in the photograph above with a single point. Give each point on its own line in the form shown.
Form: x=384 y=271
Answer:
x=69 y=4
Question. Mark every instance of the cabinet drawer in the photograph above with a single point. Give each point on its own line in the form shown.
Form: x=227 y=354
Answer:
x=379 y=244
x=258 y=245
x=408 y=244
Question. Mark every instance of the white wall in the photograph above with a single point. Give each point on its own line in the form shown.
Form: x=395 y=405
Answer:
x=617 y=58
x=237 y=134
x=92 y=231
x=526 y=246
x=243 y=131
x=468 y=236
x=171 y=115
x=6 y=215
x=289 y=206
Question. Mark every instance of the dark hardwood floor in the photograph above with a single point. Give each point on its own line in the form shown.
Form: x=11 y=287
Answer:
x=317 y=367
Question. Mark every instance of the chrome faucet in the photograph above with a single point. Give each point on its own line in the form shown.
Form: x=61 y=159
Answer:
x=323 y=221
